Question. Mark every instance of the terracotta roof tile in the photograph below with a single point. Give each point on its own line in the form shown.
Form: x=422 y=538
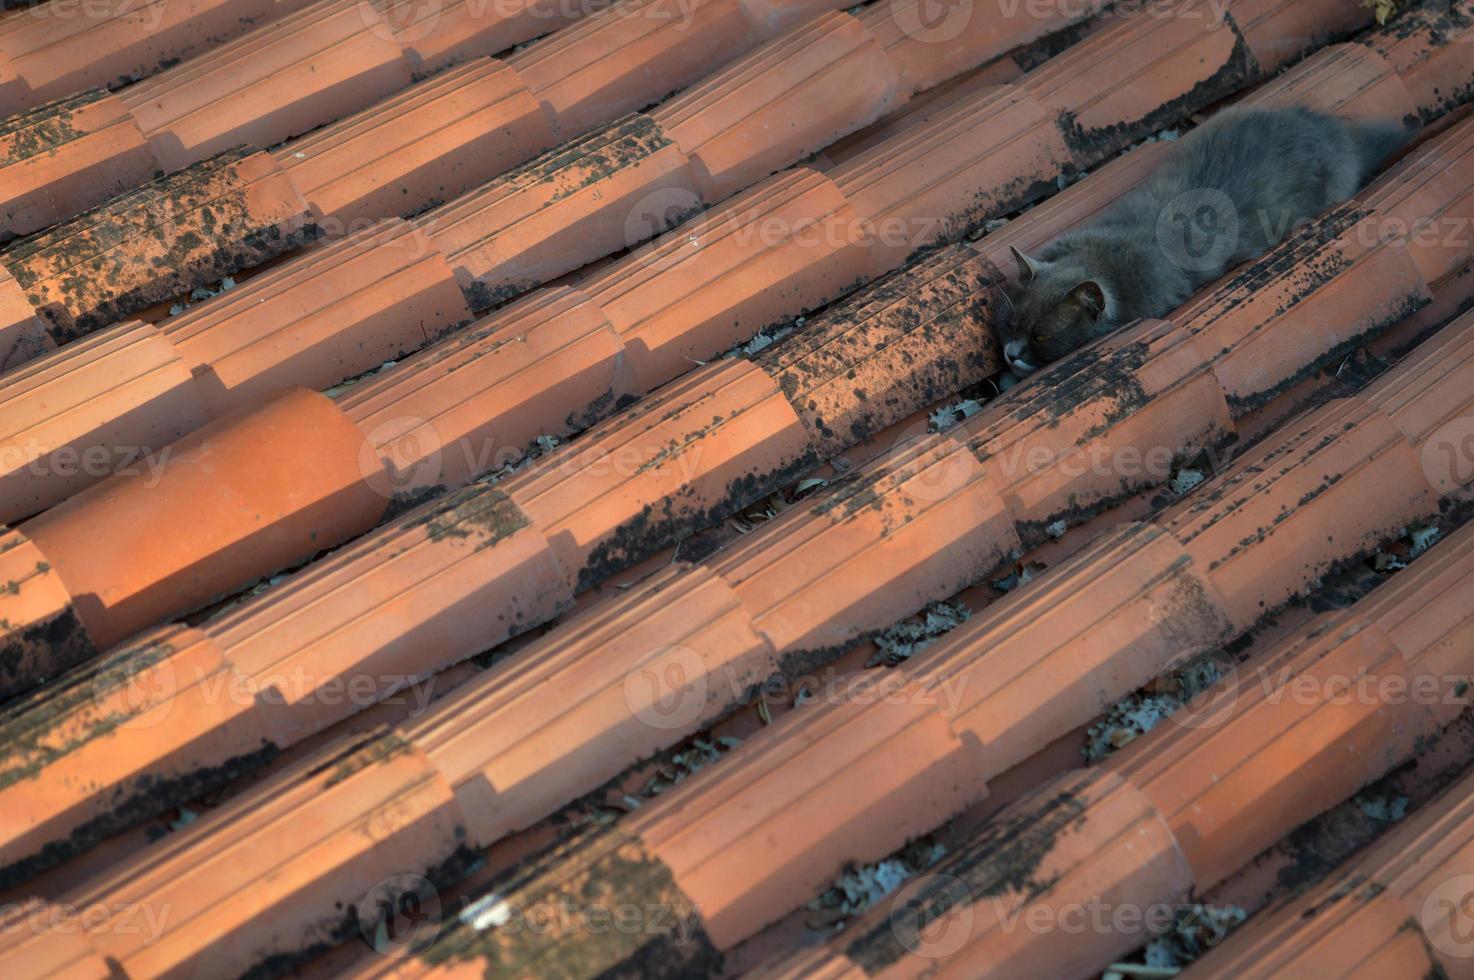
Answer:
x=622 y=61
x=505 y=784
x=432 y=142
x=52 y=51
x=48 y=634
x=726 y=274
x=586 y=198
x=910 y=340
x=1277 y=33
x=117 y=737
x=824 y=79
x=722 y=158
x=42 y=955
x=507 y=378
x=23 y=335
x=662 y=470
x=481 y=564
x=320 y=495
x=293 y=325
x=1206 y=793
x=68 y=155
x=1424 y=49
x=1305 y=506
x=1193 y=598
x=152 y=243
x=127 y=385
x=928 y=51
x=1129 y=79
x=283 y=79
x=413 y=813
x=949 y=559
x=337 y=57
x=437 y=36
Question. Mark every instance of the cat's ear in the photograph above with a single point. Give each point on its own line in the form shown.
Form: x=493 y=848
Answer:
x=1028 y=269
x=1088 y=296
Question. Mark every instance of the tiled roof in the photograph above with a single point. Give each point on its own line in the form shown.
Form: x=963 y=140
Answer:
x=450 y=182
x=557 y=359
x=54 y=52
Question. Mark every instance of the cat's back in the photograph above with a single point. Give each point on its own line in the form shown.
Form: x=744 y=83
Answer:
x=1258 y=155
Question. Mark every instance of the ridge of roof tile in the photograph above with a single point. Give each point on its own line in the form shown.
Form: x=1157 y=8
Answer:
x=1196 y=597
x=151 y=243
x=304 y=161
x=1219 y=801
x=336 y=58
x=158 y=563
x=745 y=907
x=737 y=912
x=799 y=637
x=1392 y=910
x=90 y=138
x=922 y=149
x=289 y=76
x=50 y=52
x=705 y=446
x=431 y=142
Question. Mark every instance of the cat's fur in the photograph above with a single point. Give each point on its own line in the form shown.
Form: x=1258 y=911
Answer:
x=1227 y=192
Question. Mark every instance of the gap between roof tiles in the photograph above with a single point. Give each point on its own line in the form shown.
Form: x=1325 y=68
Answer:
x=980 y=594
x=1301 y=858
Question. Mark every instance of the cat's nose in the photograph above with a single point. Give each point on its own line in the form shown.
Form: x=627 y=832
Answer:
x=1015 y=352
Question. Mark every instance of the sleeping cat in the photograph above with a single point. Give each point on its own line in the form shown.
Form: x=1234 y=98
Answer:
x=1228 y=192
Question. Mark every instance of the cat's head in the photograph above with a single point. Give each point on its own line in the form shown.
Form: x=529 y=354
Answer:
x=1055 y=308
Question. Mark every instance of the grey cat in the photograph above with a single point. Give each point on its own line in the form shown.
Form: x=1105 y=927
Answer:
x=1228 y=192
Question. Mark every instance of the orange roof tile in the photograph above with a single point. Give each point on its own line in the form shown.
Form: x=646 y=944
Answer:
x=111 y=718
x=54 y=50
